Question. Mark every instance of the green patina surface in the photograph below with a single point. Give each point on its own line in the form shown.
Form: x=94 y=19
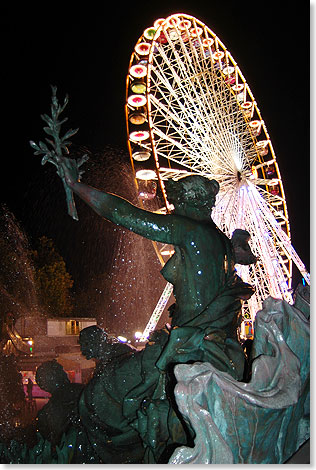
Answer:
x=127 y=413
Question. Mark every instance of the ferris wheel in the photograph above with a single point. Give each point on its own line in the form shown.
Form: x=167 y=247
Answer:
x=189 y=110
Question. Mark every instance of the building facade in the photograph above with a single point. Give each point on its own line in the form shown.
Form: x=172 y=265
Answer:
x=53 y=338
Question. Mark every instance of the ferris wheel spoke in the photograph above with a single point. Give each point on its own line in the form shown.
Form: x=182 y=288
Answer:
x=224 y=215
x=167 y=173
x=218 y=138
x=185 y=59
x=282 y=240
x=272 y=266
x=274 y=203
x=172 y=121
x=185 y=151
x=191 y=97
x=175 y=124
x=268 y=249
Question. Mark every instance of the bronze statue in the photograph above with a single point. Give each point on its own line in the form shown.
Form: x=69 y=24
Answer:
x=61 y=411
x=207 y=290
x=127 y=410
x=95 y=344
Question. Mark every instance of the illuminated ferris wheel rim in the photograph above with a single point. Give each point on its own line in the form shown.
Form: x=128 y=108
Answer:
x=145 y=50
x=190 y=111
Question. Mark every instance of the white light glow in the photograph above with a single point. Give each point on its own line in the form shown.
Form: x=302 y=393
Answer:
x=146 y=175
x=122 y=339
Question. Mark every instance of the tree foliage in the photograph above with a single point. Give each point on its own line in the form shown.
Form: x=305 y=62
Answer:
x=53 y=282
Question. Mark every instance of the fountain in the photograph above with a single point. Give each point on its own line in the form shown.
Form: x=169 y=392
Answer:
x=161 y=404
x=17 y=290
x=99 y=257
x=121 y=269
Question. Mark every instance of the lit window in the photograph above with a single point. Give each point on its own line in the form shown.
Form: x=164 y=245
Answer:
x=72 y=327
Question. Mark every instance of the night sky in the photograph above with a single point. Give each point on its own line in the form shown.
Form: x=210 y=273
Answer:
x=84 y=49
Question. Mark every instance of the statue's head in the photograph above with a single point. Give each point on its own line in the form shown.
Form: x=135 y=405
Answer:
x=50 y=376
x=242 y=251
x=93 y=342
x=195 y=191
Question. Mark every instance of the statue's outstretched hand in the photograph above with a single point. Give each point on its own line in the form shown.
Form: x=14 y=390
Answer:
x=68 y=169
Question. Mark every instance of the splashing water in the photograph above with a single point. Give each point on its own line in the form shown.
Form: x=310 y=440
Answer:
x=17 y=288
x=116 y=273
x=128 y=292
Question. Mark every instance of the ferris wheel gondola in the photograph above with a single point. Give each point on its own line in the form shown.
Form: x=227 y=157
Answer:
x=189 y=110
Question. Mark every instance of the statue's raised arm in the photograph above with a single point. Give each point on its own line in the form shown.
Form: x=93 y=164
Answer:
x=154 y=226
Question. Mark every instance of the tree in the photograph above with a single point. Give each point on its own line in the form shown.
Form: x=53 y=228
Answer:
x=53 y=282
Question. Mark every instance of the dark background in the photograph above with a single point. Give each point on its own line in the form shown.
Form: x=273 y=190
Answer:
x=84 y=49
